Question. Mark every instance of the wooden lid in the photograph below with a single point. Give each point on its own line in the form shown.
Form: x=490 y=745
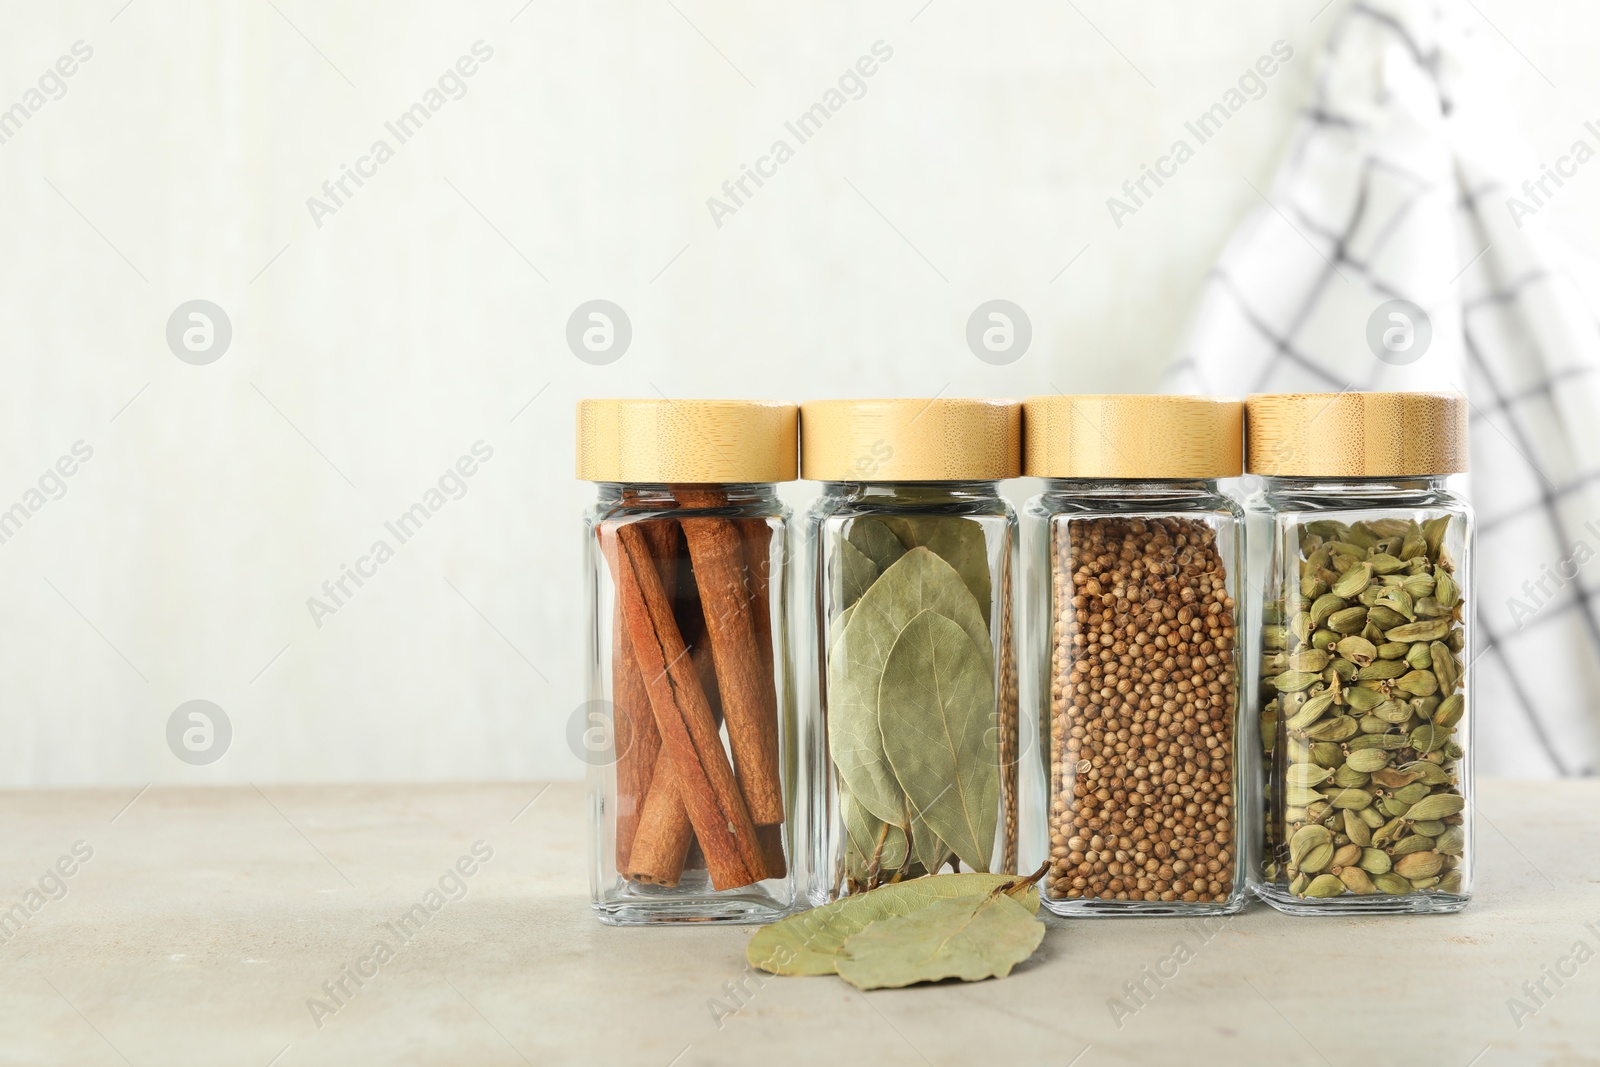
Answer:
x=938 y=440
x=1133 y=436
x=1356 y=435
x=700 y=441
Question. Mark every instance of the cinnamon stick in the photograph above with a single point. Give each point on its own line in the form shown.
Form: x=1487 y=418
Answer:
x=661 y=846
x=634 y=737
x=706 y=783
x=749 y=703
x=664 y=845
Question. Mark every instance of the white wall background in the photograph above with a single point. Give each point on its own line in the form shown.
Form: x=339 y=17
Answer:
x=372 y=351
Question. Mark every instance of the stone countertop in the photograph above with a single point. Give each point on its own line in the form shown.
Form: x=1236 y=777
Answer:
x=203 y=923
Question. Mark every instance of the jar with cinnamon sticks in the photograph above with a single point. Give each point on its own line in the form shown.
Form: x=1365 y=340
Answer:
x=1136 y=556
x=913 y=724
x=694 y=810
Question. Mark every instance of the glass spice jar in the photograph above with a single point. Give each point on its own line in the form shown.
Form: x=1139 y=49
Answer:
x=914 y=715
x=1137 y=650
x=1363 y=681
x=688 y=731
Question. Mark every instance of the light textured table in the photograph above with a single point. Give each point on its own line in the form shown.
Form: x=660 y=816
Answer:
x=206 y=919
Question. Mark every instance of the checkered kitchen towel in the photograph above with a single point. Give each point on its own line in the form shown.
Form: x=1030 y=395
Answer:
x=1391 y=191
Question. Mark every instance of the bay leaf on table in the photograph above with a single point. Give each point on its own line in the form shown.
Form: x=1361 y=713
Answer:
x=809 y=943
x=966 y=938
x=857 y=572
x=936 y=707
x=919 y=581
x=862 y=830
x=957 y=540
x=876 y=541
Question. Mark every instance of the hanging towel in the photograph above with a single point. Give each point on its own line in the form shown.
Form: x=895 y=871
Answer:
x=1392 y=190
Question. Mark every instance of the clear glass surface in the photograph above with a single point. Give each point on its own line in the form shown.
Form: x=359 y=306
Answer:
x=720 y=555
x=1136 y=661
x=1362 y=689
x=961 y=537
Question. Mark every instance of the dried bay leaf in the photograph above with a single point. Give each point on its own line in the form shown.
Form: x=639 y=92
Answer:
x=857 y=572
x=919 y=581
x=966 y=938
x=863 y=831
x=836 y=629
x=957 y=540
x=936 y=707
x=809 y=943
x=875 y=541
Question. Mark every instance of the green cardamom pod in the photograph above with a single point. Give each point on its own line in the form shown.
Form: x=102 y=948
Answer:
x=1428 y=828
x=1424 y=771
x=1305 y=839
x=1446 y=591
x=1317 y=858
x=1386 y=618
x=1429 y=738
x=1357 y=650
x=1393 y=777
x=1326 y=605
x=1309 y=774
x=1392 y=650
x=1419 y=656
x=1392 y=884
x=1324 y=639
x=1444 y=665
x=1415 y=843
x=1418 y=683
x=1357 y=831
x=1410 y=795
x=1384 y=670
x=1368 y=760
x=1453 y=842
x=1415 y=865
x=1437 y=806
x=1350 y=798
x=1434 y=530
x=1327 y=754
x=1313 y=660
x=1325 y=885
x=1363 y=699
x=1418 y=586
x=1348 y=777
x=1338 y=728
x=1392 y=807
x=1312 y=710
x=1375 y=861
x=1293 y=681
x=1356 y=880
x=1349 y=621
x=1345 y=855
x=1426 y=630
x=1383 y=563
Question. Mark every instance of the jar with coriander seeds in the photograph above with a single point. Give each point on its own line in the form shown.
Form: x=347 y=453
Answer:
x=914 y=724
x=1363 y=678
x=688 y=733
x=1135 y=559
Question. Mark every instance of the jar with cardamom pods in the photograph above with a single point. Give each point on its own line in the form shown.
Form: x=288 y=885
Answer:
x=688 y=732
x=1135 y=558
x=1363 y=678
x=914 y=714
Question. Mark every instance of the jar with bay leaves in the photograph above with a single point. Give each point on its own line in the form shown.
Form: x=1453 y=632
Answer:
x=1363 y=682
x=914 y=728
x=1134 y=557
x=688 y=731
